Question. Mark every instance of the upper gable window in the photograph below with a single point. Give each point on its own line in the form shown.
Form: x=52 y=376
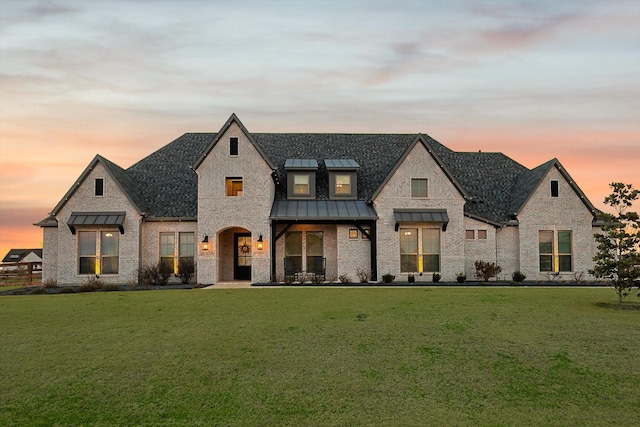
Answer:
x=419 y=187
x=233 y=146
x=342 y=178
x=554 y=188
x=234 y=187
x=99 y=187
x=301 y=178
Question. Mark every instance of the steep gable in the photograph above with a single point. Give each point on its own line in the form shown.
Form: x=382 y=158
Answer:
x=119 y=176
x=530 y=181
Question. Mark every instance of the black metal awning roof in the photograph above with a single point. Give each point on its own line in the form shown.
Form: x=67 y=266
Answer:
x=421 y=215
x=96 y=219
x=322 y=210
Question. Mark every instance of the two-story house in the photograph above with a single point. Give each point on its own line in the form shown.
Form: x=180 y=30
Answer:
x=264 y=206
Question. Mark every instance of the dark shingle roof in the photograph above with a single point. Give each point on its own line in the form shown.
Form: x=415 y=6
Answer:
x=17 y=255
x=164 y=184
x=375 y=153
x=165 y=180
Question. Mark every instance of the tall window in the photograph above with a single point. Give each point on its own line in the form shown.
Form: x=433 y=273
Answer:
x=301 y=184
x=419 y=250
x=234 y=186
x=408 y=250
x=187 y=246
x=545 y=245
x=555 y=258
x=167 y=249
x=94 y=261
x=233 y=146
x=293 y=250
x=554 y=188
x=109 y=252
x=99 y=187
x=564 y=251
x=431 y=249
x=87 y=252
x=419 y=187
x=314 y=251
x=343 y=185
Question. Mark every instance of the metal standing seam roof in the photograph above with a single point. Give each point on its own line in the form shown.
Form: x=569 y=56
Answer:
x=301 y=164
x=341 y=164
x=322 y=210
x=96 y=218
x=422 y=215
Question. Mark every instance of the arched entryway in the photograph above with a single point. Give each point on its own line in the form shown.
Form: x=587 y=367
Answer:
x=235 y=255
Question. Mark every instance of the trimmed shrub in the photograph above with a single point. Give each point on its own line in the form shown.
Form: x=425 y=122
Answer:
x=436 y=277
x=461 y=277
x=388 y=278
x=518 y=276
x=411 y=278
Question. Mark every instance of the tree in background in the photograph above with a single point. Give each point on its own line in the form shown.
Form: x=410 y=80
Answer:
x=618 y=260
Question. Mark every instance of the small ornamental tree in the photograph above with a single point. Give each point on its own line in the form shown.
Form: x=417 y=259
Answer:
x=618 y=260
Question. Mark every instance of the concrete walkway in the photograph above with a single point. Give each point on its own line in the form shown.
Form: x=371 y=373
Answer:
x=230 y=285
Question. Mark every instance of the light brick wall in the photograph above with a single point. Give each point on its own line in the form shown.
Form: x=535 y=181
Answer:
x=217 y=212
x=352 y=254
x=49 y=253
x=150 y=249
x=508 y=251
x=84 y=200
x=566 y=212
x=477 y=249
x=442 y=195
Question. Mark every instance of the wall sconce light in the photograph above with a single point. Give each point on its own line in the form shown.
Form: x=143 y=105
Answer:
x=205 y=243
x=260 y=243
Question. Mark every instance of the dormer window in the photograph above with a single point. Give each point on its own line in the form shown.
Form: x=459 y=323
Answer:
x=342 y=178
x=343 y=185
x=300 y=184
x=301 y=178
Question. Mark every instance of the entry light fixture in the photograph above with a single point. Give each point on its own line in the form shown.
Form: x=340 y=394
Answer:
x=205 y=243
x=260 y=243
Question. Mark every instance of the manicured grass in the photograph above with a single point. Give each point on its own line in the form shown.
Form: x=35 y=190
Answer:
x=267 y=357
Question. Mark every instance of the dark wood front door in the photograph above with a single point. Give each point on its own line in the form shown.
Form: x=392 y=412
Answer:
x=242 y=256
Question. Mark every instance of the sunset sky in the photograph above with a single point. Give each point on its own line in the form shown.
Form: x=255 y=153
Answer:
x=533 y=79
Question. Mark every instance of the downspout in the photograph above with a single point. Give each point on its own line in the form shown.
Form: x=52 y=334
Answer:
x=272 y=241
x=374 y=252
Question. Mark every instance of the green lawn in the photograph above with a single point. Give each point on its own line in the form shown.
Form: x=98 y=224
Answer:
x=276 y=357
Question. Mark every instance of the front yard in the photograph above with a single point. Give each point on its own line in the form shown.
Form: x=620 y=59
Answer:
x=304 y=356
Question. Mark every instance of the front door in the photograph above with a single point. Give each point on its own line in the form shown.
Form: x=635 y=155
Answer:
x=242 y=256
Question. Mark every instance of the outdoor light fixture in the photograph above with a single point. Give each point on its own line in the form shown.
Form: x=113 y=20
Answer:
x=205 y=243
x=260 y=243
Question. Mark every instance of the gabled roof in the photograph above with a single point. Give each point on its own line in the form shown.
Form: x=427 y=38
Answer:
x=17 y=255
x=164 y=185
x=119 y=176
x=214 y=141
x=532 y=179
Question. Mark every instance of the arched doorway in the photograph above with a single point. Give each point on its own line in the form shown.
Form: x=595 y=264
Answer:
x=235 y=256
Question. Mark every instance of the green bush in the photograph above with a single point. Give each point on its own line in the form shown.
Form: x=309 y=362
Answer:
x=436 y=277
x=186 y=269
x=518 y=276
x=388 y=278
x=461 y=277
